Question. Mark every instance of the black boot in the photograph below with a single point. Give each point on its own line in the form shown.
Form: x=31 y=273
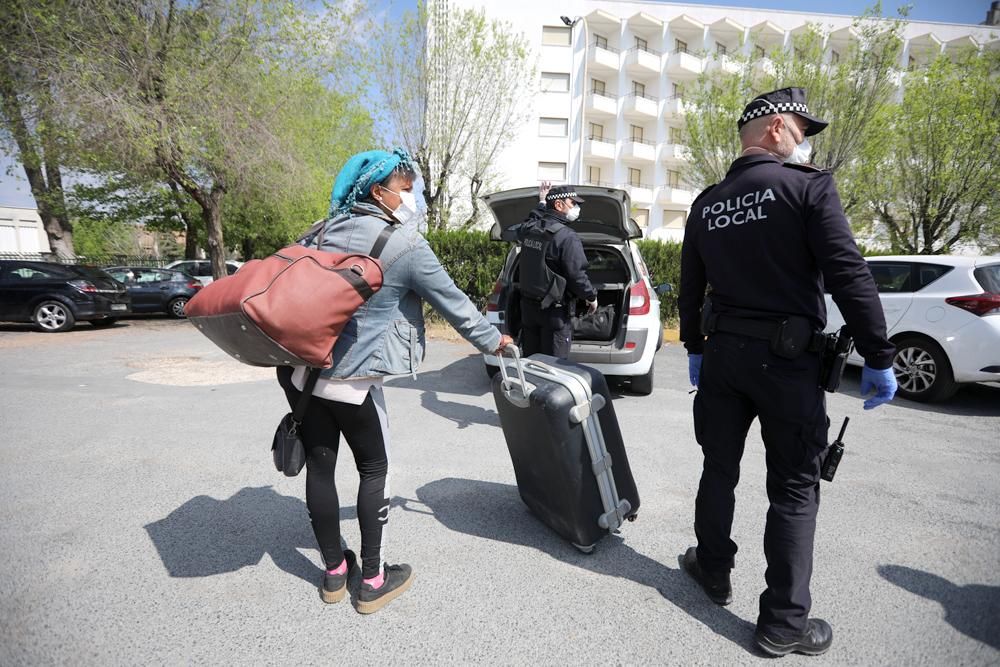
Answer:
x=816 y=640
x=717 y=585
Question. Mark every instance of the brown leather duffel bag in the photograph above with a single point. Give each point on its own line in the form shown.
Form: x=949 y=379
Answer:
x=287 y=309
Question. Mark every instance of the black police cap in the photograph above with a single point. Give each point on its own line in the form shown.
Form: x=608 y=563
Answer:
x=784 y=100
x=563 y=192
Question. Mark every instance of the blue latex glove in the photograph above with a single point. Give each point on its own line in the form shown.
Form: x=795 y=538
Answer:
x=694 y=368
x=883 y=383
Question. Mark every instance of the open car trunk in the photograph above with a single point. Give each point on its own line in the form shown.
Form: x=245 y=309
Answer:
x=610 y=276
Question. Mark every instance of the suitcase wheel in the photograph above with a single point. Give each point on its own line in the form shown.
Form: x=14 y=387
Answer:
x=584 y=549
x=632 y=517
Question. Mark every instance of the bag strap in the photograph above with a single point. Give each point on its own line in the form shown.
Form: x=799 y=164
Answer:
x=382 y=240
x=307 y=390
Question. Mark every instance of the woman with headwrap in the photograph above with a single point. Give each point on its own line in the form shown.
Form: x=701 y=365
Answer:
x=372 y=203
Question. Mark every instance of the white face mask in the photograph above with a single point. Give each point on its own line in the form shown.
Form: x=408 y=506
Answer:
x=407 y=209
x=801 y=154
x=573 y=213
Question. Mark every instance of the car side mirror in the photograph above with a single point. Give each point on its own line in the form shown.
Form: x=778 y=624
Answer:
x=665 y=288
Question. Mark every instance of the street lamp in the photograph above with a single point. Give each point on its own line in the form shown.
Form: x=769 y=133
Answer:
x=571 y=23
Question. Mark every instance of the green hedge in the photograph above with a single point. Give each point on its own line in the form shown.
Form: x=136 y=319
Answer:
x=663 y=259
x=474 y=262
x=471 y=259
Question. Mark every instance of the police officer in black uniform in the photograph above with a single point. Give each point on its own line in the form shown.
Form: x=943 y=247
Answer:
x=766 y=240
x=552 y=272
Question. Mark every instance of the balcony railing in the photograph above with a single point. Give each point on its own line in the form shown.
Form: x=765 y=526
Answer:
x=647 y=142
x=645 y=49
x=647 y=186
x=644 y=96
x=610 y=96
x=600 y=184
x=601 y=138
x=606 y=47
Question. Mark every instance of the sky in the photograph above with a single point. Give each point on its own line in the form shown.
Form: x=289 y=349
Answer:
x=14 y=189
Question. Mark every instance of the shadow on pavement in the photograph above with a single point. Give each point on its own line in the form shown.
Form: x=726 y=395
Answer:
x=466 y=376
x=462 y=414
x=973 y=610
x=206 y=536
x=494 y=511
x=972 y=400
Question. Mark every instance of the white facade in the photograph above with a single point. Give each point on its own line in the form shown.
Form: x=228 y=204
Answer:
x=21 y=231
x=610 y=88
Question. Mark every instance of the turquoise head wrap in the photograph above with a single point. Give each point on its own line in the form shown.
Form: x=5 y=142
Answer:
x=361 y=172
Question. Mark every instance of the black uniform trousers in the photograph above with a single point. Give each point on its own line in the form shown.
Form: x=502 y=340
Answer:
x=741 y=379
x=549 y=330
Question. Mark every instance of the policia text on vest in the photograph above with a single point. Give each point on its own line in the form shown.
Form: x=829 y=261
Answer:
x=738 y=210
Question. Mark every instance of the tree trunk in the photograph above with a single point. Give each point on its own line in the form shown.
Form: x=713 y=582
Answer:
x=211 y=214
x=48 y=195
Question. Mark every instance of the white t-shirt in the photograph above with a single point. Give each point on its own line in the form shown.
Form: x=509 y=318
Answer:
x=353 y=391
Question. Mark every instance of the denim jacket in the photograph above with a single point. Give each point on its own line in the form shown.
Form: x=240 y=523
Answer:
x=386 y=335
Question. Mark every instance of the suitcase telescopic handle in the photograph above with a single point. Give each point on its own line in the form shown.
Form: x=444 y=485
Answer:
x=515 y=353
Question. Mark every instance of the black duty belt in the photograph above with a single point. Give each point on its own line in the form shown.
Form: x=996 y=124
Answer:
x=762 y=329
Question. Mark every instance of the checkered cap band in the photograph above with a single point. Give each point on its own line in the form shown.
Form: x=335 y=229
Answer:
x=561 y=195
x=768 y=108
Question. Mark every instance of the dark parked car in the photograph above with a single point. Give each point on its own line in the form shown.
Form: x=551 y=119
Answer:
x=55 y=296
x=156 y=290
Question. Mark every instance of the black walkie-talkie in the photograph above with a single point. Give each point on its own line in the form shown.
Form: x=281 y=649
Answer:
x=833 y=456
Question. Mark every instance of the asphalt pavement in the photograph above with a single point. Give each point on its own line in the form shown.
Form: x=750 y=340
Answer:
x=141 y=522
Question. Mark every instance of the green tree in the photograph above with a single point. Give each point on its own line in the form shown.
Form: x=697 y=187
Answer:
x=188 y=91
x=454 y=87
x=849 y=93
x=30 y=110
x=932 y=184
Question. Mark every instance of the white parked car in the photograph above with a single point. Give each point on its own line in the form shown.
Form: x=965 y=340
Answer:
x=201 y=269
x=616 y=270
x=943 y=314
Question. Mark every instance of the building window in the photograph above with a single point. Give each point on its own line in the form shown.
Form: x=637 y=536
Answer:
x=641 y=44
x=552 y=171
x=680 y=46
x=911 y=64
x=676 y=135
x=553 y=127
x=673 y=219
x=834 y=57
x=634 y=177
x=758 y=52
x=641 y=217
x=600 y=41
x=677 y=91
x=597 y=87
x=597 y=132
x=555 y=35
x=673 y=178
x=638 y=89
x=637 y=133
x=594 y=175
x=721 y=49
x=555 y=82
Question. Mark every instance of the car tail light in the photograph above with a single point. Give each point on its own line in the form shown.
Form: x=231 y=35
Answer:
x=195 y=285
x=493 y=303
x=638 y=299
x=83 y=286
x=977 y=304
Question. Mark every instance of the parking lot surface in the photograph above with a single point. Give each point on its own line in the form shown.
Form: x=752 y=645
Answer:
x=141 y=521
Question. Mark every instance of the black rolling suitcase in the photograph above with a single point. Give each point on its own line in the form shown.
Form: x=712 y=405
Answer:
x=566 y=447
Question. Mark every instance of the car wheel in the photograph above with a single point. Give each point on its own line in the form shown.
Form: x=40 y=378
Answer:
x=922 y=370
x=643 y=384
x=176 y=307
x=104 y=322
x=53 y=316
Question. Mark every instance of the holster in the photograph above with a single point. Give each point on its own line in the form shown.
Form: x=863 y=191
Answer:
x=837 y=348
x=788 y=338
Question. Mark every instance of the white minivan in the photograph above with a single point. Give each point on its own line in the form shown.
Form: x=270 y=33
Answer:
x=615 y=268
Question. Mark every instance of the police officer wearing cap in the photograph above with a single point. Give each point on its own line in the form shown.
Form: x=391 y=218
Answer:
x=766 y=241
x=552 y=272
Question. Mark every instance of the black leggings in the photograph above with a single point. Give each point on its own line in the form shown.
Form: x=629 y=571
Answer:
x=365 y=428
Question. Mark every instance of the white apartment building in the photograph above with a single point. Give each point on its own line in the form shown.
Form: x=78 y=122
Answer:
x=21 y=231
x=610 y=105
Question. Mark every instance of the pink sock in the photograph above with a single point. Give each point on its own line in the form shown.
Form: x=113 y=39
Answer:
x=340 y=569
x=376 y=582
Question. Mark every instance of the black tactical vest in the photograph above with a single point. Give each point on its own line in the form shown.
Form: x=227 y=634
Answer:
x=538 y=281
